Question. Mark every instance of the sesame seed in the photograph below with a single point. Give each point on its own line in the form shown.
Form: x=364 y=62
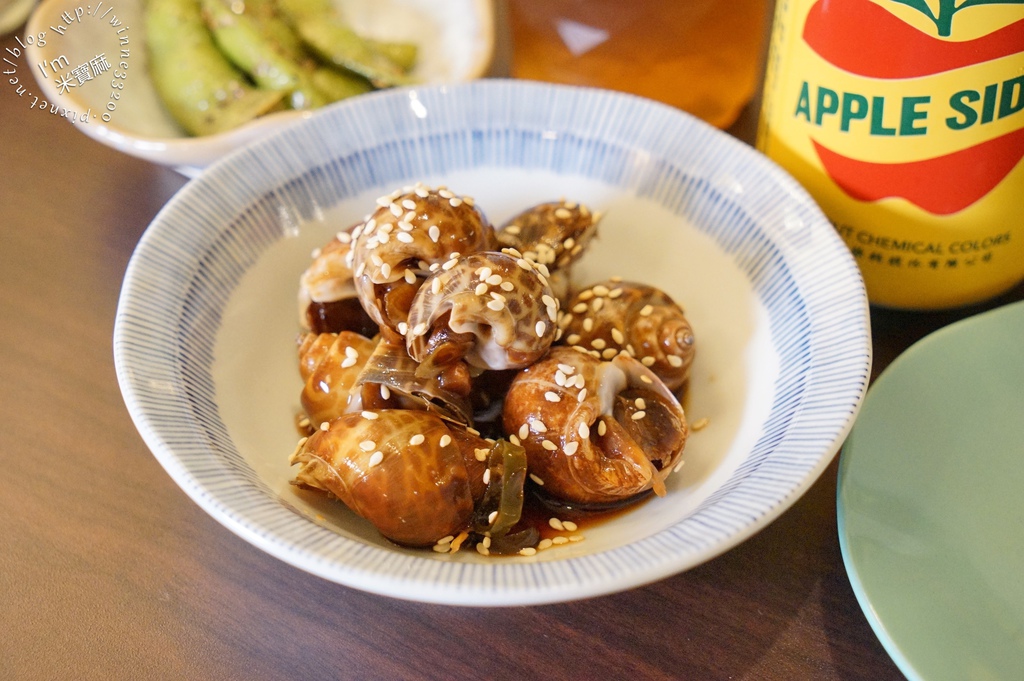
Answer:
x=549 y=445
x=544 y=544
x=349 y=362
x=496 y=305
x=588 y=324
x=434 y=233
x=404 y=237
x=444 y=193
x=513 y=439
x=678 y=466
x=367 y=445
x=609 y=353
x=369 y=415
x=563 y=213
x=598 y=344
x=450 y=264
x=576 y=538
x=675 y=361
x=494 y=279
x=315 y=253
x=375 y=459
x=556 y=524
x=597 y=304
x=513 y=252
x=524 y=264
x=376 y=260
x=446 y=440
x=637 y=415
x=570 y=448
x=343 y=237
x=600 y=290
x=395 y=209
x=700 y=424
x=536 y=479
x=580 y=381
x=325 y=426
x=569 y=526
x=640 y=403
x=617 y=336
x=419 y=329
x=581 y=395
x=417 y=439
x=435 y=286
x=507 y=286
x=422 y=192
x=539 y=426
x=572 y=338
x=524 y=431
x=527 y=551
x=359 y=270
x=409 y=204
x=513 y=230
x=487 y=476
x=602 y=428
x=405 y=225
x=435 y=267
x=560 y=378
x=648 y=360
x=480 y=289
x=455 y=202
x=403 y=328
x=410 y=276
x=481 y=454
x=552 y=397
x=441 y=548
x=579 y=308
x=303 y=422
x=558 y=541
x=568 y=243
x=580 y=348
x=483 y=550
x=586 y=295
x=646 y=310
x=645 y=378
x=497 y=296
x=540 y=328
x=584 y=430
x=351 y=351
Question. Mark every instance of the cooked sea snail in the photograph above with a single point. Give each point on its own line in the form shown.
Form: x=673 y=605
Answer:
x=417 y=478
x=410 y=235
x=492 y=310
x=644 y=322
x=327 y=294
x=468 y=332
x=391 y=379
x=595 y=431
x=330 y=364
x=553 y=234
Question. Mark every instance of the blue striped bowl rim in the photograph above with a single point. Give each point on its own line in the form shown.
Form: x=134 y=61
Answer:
x=198 y=247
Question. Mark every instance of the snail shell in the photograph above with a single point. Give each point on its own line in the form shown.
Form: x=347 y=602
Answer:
x=554 y=234
x=408 y=472
x=410 y=235
x=594 y=431
x=327 y=293
x=491 y=309
x=329 y=364
x=643 y=321
x=391 y=379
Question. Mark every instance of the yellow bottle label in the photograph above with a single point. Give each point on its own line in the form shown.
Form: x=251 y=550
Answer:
x=905 y=120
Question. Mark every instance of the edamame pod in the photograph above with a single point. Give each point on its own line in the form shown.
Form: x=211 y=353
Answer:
x=329 y=37
x=198 y=85
x=241 y=40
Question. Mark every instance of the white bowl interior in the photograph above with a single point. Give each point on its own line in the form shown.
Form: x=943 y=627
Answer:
x=205 y=340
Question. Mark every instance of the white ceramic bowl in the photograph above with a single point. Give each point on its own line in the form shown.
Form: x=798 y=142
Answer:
x=205 y=331
x=455 y=39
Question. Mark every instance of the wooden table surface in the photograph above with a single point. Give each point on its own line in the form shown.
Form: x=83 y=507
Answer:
x=109 y=571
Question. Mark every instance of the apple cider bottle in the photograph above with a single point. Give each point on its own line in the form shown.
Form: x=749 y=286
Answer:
x=905 y=120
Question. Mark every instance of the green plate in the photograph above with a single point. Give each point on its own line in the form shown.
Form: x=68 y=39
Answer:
x=931 y=502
